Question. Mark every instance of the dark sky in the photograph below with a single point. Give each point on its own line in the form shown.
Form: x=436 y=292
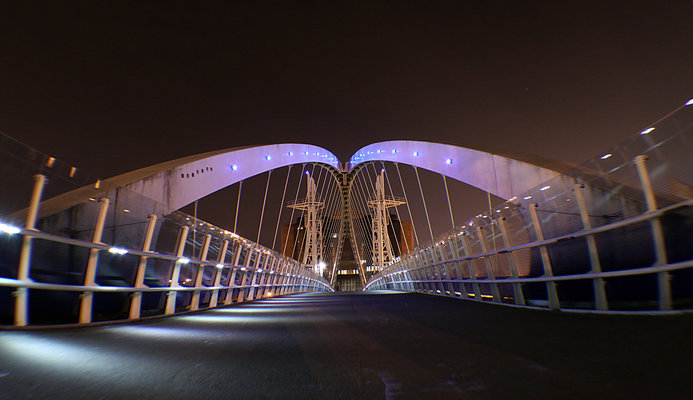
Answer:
x=116 y=86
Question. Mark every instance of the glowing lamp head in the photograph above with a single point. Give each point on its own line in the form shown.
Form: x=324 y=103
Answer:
x=234 y=167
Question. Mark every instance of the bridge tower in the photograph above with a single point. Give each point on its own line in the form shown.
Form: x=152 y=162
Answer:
x=311 y=205
x=382 y=247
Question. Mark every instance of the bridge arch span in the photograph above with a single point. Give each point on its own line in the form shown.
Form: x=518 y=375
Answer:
x=177 y=183
x=502 y=174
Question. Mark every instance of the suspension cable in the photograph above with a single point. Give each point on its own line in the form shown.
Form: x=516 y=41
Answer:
x=303 y=212
x=423 y=199
x=291 y=220
x=238 y=203
x=387 y=213
x=401 y=227
x=447 y=195
x=281 y=206
x=264 y=201
x=411 y=218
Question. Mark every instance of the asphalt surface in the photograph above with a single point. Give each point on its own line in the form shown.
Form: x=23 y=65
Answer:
x=357 y=346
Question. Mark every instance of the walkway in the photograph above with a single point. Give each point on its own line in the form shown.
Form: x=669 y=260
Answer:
x=357 y=346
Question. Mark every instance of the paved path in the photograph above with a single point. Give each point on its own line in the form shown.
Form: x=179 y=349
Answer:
x=357 y=346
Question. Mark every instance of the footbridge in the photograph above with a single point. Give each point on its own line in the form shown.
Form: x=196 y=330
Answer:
x=358 y=278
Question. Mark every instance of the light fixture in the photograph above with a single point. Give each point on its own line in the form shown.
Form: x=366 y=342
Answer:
x=689 y=102
x=545 y=188
x=395 y=151
x=291 y=153
x=416 y=154
x=9 y=229
x=220 y=266
x=448 y=161
x=605 y=156
x=646 y=131
x=234 y=167
x=267 y=157
x=117 y=250
x=527 y=197
x=183 y=260
x=126 y=210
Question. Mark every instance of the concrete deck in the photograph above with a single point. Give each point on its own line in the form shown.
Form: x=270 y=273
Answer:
x=357 y=346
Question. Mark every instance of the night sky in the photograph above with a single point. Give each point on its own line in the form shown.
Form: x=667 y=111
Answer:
x=112 y=87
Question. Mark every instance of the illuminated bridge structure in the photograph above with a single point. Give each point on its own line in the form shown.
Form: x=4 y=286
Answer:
x=609 y=243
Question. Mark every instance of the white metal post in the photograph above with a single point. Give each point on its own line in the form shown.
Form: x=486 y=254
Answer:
x=551 y=291
x=232 y=279
x=87 y=298
x=217 y=273
x=175 y=273
x=489 y=268
x=597 y=283
x=514 y=262
x=21 y=295
x=472 y=270
x=136 y=300
x=195 y=301
x=664 y=277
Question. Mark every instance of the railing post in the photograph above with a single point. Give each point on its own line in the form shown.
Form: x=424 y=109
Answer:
x=552 y=293
x=232 y=279
x=664 y=277
x=256 y=274
x=600 y=301
x=242 y=292
x=213 y=300
x=87 y=298
x=195 y=301
x=175 y=273
x=21 y=295
x=472 y=270
x=512 y=259
x=489 y=268
x=136 y=300
x=454 y=242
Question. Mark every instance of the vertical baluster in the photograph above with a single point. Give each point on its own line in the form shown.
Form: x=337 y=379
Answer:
x=217 y=273
x=514 y=262
x=21 y=295
x=136 y=300
x=200 y=272
x=87 y=298
x=175 y=272
x=597 y=283
x=487 y=261
x=551 y=291
x=472 y=270
x=663 y=278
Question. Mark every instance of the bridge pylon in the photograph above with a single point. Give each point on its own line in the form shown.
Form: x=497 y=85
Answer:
x=313 y=245
x=382 y=247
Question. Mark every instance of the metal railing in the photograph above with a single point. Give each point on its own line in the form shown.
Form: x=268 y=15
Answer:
x=262 y=274
x=564 y=241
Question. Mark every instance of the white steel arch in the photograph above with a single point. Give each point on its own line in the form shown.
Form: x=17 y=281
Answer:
x=177 y=183
x=503 y=175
